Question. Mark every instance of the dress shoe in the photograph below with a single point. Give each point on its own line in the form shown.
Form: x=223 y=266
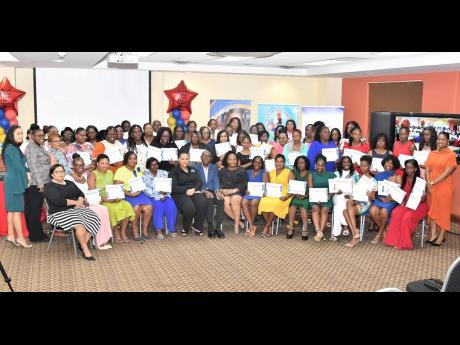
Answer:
x=220 y=234
x=211 y=234
x=438 y=244
x=290 y=236
x=304 y=237
x=89 y=258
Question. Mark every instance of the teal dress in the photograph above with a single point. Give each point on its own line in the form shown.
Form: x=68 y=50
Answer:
x=301 y=202
x=15 y=180
x=321 y=180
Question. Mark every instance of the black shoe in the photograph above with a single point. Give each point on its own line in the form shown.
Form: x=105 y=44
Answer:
x=438 y=244
x=220 y=234
x=211 y=234
x=197 y=232
x=90 y=258
x=304 y=238
x=289 y=236
x=184 y=233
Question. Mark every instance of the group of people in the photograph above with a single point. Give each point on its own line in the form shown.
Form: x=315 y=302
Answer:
x=58 y=170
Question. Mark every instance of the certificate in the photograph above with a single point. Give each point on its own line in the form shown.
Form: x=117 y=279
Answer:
x=355 y=155
x=239 y=148
x=93 y=196
x=360 y=193
x=163 y=184
x=137 y=185
x=269 y=165
x=257 y=151
x=154 y=152
x=421 y=156
x=413 y=202
x=341 y=184
x=233 y=139
x=180 y=143
x=369 y=184
x=256 y=188
x=403 y=158
x=297 y=187
x=274 y=189
x=195 y=155
x=416 y=195
x=125 y=135
x=169 y=154
x=377 y=164
x=331 y=154
x=222 y=148
x=115 y=156
x=114 y=191
x=254 y=139
x=318 y=195
x=396 y=193
x=86 y=157
x=267 y=148
x=292 y=157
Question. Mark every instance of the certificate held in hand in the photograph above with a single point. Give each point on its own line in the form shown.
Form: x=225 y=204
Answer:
x=269 y=165
x=195 y=155
x=115 y=156
x=341 y=184
x=257 y=151
x=114 y=191
x=292 y=157
x=86 y=157
x=163 y=184
x=93 y=196
x=421 y=156
x=331 y=154
x=137 y=185
x=154 y=152
x=403 y=158
x=317 y=195
x=297 y=187
x=355 y=155
x=274 y=190
x=254 y=139
x=169 y=154
x=256 y=188
x=180 y=143
x=222 y=148
x=377 y=164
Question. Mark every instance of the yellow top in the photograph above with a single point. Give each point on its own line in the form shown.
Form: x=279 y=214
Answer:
x=124 y=174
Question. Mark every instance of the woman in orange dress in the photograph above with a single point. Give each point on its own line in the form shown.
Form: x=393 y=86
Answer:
x=440 y=166
x=109 y=144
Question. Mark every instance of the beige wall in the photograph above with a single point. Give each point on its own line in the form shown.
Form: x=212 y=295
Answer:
x=257 y=89
x=22 y=79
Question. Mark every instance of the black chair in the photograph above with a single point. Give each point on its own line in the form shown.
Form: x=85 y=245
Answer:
x=451 y=282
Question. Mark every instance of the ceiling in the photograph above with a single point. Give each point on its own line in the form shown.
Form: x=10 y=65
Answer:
x=351 y=64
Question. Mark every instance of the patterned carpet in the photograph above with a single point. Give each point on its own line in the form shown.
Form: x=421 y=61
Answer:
x=236 y=263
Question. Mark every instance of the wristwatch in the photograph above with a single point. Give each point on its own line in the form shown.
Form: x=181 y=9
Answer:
x=432 y=183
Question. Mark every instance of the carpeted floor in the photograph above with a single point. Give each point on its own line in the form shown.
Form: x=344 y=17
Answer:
x=236 y=263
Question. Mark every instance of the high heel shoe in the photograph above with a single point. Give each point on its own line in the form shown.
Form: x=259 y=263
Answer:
x=13 y=242
x=438 y=244
x=25 y=245
x=89 y=258
x=290 y=236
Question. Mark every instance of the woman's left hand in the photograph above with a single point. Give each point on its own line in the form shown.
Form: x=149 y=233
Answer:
x=283 y=198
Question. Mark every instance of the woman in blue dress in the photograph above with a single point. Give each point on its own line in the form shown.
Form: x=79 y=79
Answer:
x=382 y=206
x=251 y=202
x=321 y=142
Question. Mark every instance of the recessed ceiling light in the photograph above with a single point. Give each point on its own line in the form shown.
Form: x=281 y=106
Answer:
x=324 y=62
x=5 y=56
x=234 y=58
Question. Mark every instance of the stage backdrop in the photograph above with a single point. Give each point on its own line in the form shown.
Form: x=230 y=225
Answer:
x=223 y=110
x=272 y=115
x=331 y=116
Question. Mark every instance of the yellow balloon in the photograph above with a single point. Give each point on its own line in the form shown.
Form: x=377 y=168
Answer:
x=2 y=138
x=171 y=121
x=2 y=131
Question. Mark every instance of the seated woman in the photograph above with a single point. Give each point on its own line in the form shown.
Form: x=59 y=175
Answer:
x=269 y=206
x=222 y=137
x=300 y=172
x=164 y=140
x=319 y=178
x=120 y=211
x=355 y=208
x=250 y=202
x=209 y=175
x=109 y=144
x=404 y=220
x=163 y=204
x=139 y=201
x=243 y=156
x=345 y=170
x=295 y=147
x=382 y=206
x=233 y=183
x=78 y=176
x=186 y=192
x=66 y=209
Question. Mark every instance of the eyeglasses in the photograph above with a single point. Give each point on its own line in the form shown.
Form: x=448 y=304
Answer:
x=59 y=171
x=79 y=165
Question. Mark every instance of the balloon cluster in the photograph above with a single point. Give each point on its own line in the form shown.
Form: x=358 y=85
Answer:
x=180 y=105
x=9 y=97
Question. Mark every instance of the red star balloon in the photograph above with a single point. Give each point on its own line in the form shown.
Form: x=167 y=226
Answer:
x=9 y=95
x=180 y=97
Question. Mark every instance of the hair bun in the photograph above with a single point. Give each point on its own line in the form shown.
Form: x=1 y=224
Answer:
x=75 y=155
x=34 y=127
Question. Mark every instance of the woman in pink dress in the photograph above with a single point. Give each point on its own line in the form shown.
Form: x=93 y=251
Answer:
x=78 y=176
x=404 y=220
x=278 y=146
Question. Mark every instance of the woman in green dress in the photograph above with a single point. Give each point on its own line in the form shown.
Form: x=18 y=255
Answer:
x=15 y=184
x=120 y=211
x=300 y=172
x=319 y=178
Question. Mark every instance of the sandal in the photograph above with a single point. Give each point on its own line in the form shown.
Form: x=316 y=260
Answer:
x=319 y=235
x=118 y=240
x=377 y=239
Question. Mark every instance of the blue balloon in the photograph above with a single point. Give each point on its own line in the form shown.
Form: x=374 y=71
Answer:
x=176 y=113
x=5 y=124
x=2 y=114
x=180 y=122
x=185 y=128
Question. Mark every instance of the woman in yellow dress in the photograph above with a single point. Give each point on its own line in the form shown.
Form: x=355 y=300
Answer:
x=269 y=206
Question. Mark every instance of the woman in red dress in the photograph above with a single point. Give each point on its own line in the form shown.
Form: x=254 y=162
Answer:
x=357 y=143
x=404 y=220
x=403 y=146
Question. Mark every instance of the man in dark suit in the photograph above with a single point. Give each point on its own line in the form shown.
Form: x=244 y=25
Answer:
x=209 y=175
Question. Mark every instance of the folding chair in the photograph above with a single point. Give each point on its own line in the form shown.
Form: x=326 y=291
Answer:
x=69 y=234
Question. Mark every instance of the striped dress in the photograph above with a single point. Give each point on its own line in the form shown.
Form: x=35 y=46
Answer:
x=67 y=217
